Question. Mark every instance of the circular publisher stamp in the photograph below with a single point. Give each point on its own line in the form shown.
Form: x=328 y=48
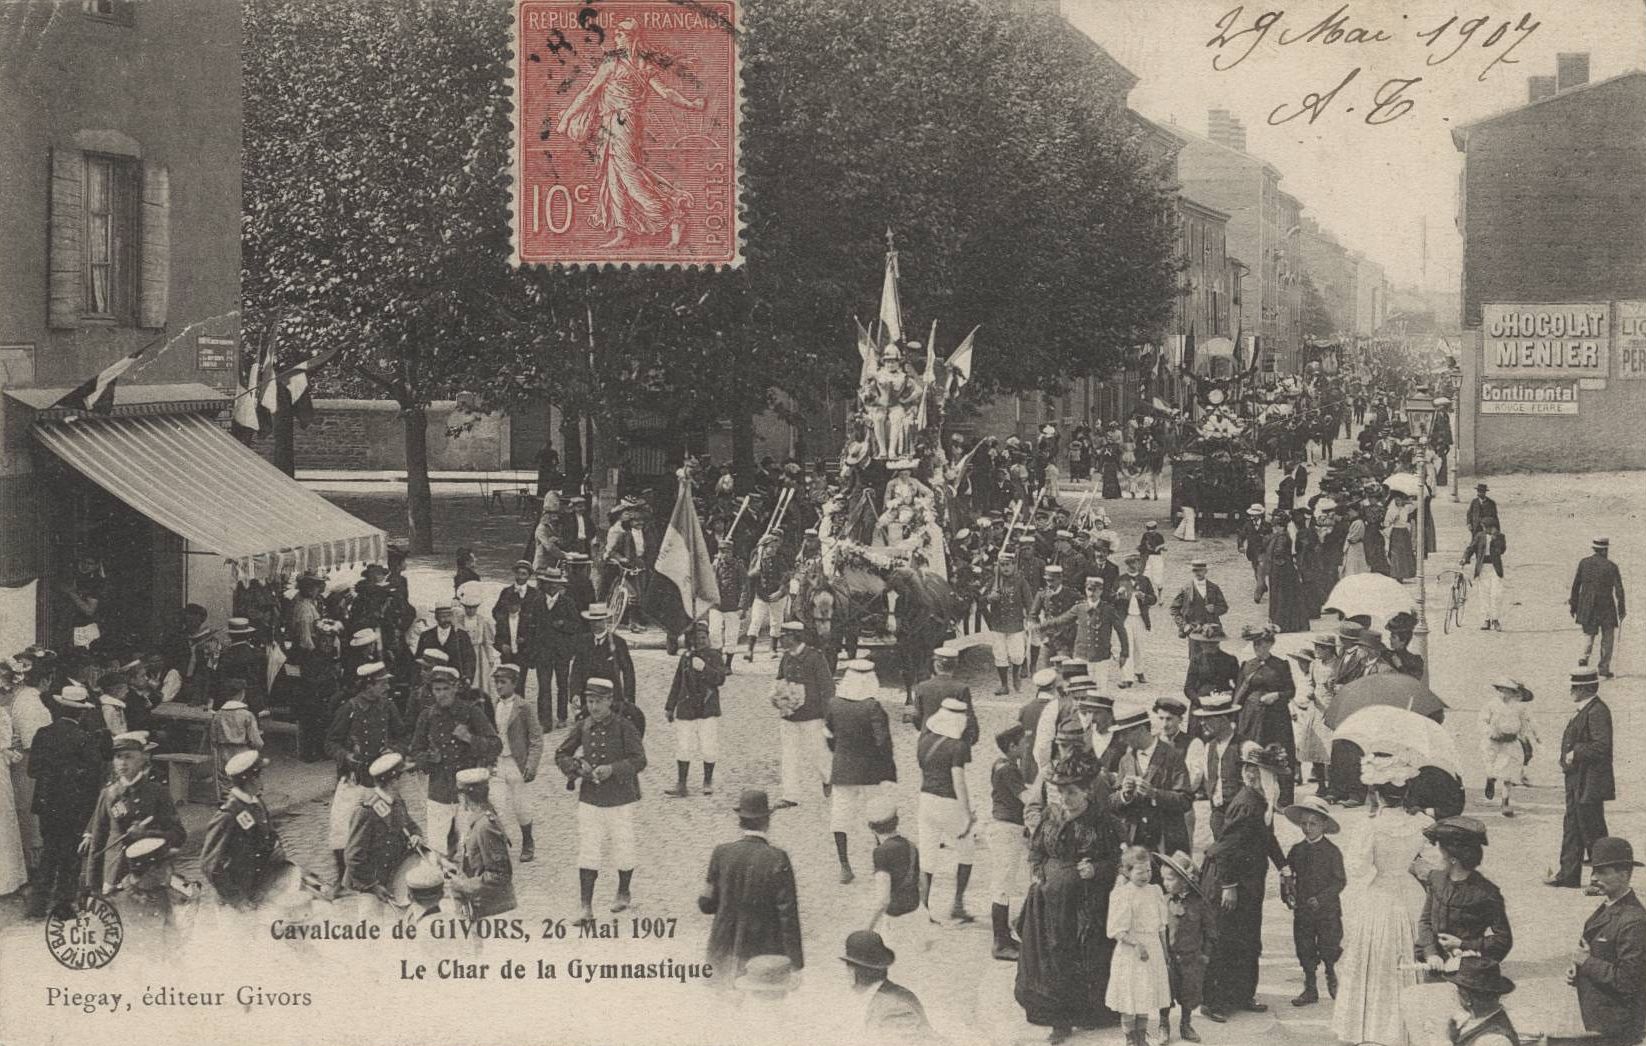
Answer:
x=88 y=939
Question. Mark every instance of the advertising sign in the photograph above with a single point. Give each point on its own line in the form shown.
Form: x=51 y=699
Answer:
x=1631 y=339
x=1546 y=341
x=1528 y=397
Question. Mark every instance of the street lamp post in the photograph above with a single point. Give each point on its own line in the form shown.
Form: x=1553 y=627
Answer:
x=1420 y=409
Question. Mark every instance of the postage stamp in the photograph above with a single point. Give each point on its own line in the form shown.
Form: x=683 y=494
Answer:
x=626 y=123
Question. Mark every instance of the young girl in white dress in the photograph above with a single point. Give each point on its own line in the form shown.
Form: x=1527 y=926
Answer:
x=1503 y=722
x=1139 y=983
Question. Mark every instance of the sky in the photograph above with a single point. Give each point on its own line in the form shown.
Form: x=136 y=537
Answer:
x=1374 y=186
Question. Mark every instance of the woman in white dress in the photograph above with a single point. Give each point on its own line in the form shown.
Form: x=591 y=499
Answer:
x=1502 y=724
x=28 y=715
x=13 y=869
x=1377 y=967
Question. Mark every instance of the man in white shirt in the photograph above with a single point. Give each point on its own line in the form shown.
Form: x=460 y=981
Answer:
x=1214 y=763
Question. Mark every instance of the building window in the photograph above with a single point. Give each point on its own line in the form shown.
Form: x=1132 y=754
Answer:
x=111 y=223
x=117 y=11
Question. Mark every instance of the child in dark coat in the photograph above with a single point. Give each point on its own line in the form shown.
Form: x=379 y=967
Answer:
x=1313 y=881
x=1190 y=930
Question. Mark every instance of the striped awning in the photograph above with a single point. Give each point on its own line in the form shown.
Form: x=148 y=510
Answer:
x=185 y=473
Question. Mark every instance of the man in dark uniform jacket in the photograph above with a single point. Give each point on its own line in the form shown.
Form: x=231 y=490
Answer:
x=519 y=616
x=67 y=765
x=450 y=736
x=381 y=830
x=1586 y=758
x=1597 y=603
x=1609 y=966
x=485 y=877
x=1481 y=510
x=750 y=891
x=241 y=850
x=365 y=727
x=135 y=806
x=604 y=655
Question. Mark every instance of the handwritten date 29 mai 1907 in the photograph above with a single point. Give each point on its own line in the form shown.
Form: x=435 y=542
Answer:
x=1491 y=38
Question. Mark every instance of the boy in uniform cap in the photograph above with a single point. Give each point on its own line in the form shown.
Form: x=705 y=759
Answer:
x=365 y=726
x=450 y=736
x=1313 y=892
x=749 y=889
x=602 y=757
x=67 y=764
x=769 y=580
x=426 y=890
x=381 y=830
x=485 y=878
x=1609 y=964
x=693 y=706
x=519 y=615
x=146 y=893
x=450 y=640
x=1050 y=614
x=858 y=732
x=1008 y=599
x=134 y=806
x=520 y=734
x=241 y=850
x=1597 y=603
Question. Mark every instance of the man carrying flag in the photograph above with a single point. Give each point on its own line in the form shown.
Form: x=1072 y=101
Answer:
x=684 y=562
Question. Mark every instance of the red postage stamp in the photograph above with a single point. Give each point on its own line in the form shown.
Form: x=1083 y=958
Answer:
x=626 y=132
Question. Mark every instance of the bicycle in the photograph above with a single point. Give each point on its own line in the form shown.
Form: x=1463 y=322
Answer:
x=1459 y=598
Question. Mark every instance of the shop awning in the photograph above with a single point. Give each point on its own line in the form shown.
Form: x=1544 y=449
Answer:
x=185 y=473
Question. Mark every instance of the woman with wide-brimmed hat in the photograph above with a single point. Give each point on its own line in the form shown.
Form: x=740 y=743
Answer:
x=1503 y=722
x=1234 y=881
x=1063 y=966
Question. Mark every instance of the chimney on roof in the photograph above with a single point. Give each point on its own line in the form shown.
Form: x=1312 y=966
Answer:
x=1539 y=88
x=1571 y=70
x=1226 y=129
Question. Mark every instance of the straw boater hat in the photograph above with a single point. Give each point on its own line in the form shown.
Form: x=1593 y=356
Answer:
x=597 y=612
x=1312 y=804
x=1175 y=704
x=1131 y=713
x=1218 y=702
x=74 y=697
x=434 y=656
x=1183 y=865
x=363 y=637
x=371 y=670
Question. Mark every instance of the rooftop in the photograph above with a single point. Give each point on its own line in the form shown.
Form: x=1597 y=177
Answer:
x=1460 y=134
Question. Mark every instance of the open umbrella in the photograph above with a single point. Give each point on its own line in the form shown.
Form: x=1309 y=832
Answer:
x=1403 y=483
x=1385 y=688
x=1383 y=728
x=1375 y=595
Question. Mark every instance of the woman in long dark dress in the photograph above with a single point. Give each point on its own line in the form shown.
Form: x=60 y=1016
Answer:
x=1234 y=882
x=1063 y=968
x=1288 y=602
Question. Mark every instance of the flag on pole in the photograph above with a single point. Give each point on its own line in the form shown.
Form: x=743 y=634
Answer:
x=247 y=415
x=865 y=349
x=891 y=312
x=960 y=364
x=683 y=561
x=295 y=380
x=96 y=393
x=1188 y=350
x=931 y=356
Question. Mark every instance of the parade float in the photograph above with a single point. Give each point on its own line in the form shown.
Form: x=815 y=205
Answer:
x=1218 y=469
x=885 y=525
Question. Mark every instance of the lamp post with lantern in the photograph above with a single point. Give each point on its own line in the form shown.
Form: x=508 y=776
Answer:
x=1419 y=409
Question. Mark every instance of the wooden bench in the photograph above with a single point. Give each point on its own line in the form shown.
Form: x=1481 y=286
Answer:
x=180 y=772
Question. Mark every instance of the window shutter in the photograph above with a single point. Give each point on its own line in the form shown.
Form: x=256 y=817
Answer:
x=66 y=291
x=154 y=254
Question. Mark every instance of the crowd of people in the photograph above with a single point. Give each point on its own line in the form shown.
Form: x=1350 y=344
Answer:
x=1116 y=906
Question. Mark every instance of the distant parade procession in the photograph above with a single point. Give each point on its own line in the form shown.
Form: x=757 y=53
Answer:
x=822 y=523
x=896 y=599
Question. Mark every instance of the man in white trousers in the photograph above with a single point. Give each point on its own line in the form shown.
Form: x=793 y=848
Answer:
x=801 y=693
x=1133 y=596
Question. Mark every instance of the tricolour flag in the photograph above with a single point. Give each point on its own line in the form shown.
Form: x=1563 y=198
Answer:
x=891 y=311
x=247 y=419
x=96 y=393
x=959 y=364
x=295 y=380
x=683 y=561
x=867 y=351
